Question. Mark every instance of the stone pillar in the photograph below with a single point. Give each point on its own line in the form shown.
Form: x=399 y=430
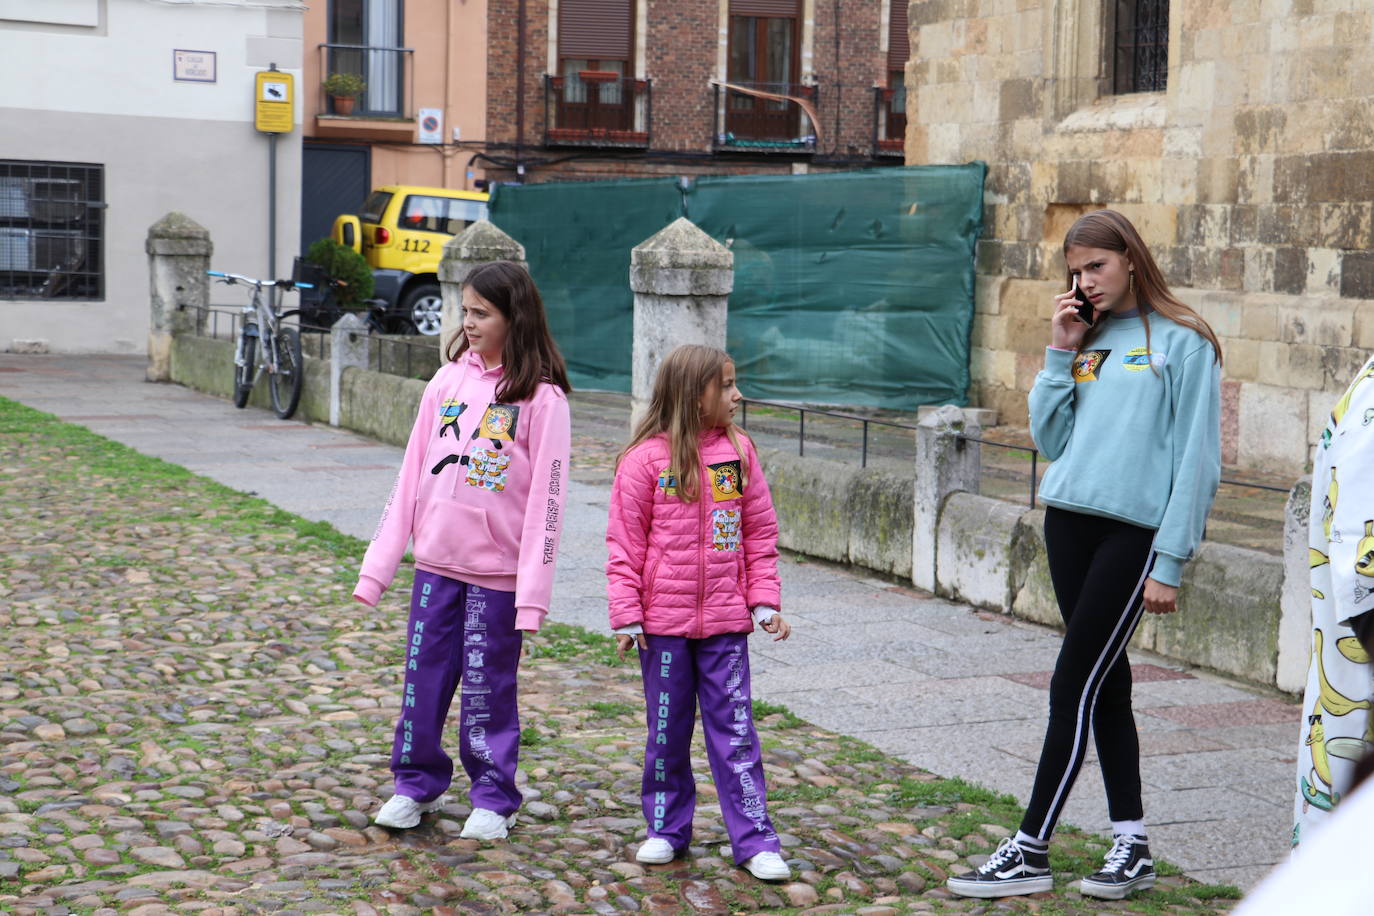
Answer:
x=178 y=257
x=477 y=244
x=945 y=464
x=1295 y=598
x=682 y=279
x=349 y=341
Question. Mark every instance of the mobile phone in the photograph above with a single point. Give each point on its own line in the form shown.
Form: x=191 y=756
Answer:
x=1086 y=313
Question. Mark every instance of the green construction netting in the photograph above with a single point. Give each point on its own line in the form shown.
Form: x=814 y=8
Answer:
x=850 y=287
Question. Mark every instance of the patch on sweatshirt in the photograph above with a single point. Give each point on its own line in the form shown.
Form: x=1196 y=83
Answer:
x=667 y=482
x=725 y=481
x=498 y=423
x=1086 y=364
x=1137 y=359
x=725 y=529
x=487 y=468
x=449 y=412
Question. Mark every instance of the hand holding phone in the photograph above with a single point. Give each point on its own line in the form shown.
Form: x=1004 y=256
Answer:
x=1086 y=312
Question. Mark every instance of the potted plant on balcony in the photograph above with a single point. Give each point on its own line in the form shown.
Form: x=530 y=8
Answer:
x=343 y=88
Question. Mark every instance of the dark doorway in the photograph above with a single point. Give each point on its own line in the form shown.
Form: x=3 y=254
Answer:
x=334 y=179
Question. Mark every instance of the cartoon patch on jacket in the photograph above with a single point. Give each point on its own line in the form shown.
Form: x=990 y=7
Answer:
x=725 y=524
x=725 y=481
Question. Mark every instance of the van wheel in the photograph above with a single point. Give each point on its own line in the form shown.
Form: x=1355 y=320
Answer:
x=423 y=306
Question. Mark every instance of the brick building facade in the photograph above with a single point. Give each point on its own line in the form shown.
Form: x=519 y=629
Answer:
x=1250 y=173
x=677 y=50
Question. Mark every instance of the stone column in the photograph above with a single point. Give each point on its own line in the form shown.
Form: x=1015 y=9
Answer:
x=945 y=464
x=349 y=342
x=477 y=244
x=682 y=279
x=178 y=256
x=1295 y=598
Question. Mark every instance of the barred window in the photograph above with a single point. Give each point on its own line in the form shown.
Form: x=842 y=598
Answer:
x=52 y=217
x=1141 y=46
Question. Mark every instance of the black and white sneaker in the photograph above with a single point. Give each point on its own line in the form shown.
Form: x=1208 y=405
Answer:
x=1009 y=871
x=1128 y=867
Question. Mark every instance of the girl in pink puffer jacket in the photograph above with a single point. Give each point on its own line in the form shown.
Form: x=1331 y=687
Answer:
x=693 y=566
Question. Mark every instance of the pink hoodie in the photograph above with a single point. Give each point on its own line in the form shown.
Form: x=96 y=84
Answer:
x=691 y=569
x=480 y=489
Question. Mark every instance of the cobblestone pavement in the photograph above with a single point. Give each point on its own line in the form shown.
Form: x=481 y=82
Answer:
x=195 y=717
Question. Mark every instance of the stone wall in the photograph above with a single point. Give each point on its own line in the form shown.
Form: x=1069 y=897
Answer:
x=1251 y=177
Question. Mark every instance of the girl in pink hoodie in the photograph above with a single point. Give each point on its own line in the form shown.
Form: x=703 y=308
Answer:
x=480 y=493
x=693 y=566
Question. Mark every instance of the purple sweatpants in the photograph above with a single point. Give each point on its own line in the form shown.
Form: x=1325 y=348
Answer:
x=677 y=672
x=459 y=632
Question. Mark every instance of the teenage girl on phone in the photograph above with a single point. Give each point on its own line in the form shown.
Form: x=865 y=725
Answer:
x=481 y=493
x=1128 y=409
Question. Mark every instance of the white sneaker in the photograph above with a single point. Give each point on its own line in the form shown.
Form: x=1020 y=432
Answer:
x=768 y=866
x=656 y=851
x=402 y=812
x=485 y=824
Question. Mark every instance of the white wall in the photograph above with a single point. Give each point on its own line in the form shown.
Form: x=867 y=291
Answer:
x=104 y=94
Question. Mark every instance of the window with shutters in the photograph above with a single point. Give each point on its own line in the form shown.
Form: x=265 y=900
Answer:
x=1140 y=45
x=889 y=108
x=764 y=61
x=594 y=97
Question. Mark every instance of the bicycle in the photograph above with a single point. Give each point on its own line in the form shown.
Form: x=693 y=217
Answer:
x=281 y=350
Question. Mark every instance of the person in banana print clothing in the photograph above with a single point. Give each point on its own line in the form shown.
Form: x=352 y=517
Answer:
x=1337 y=728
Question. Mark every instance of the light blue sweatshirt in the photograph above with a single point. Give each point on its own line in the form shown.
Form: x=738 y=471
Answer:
x=1134 y=435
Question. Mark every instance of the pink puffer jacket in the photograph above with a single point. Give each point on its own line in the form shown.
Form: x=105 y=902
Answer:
x=691 y=569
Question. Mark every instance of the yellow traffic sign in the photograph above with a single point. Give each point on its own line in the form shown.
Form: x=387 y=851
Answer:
x=274 y=102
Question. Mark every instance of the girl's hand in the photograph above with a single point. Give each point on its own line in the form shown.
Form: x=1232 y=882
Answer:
x=1160 y=598
x=1066 y=331
x=776 y=624
x=623 y=642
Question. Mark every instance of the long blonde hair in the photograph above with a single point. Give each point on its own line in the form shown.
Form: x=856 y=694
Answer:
x=686 y=374
x=1109 y=230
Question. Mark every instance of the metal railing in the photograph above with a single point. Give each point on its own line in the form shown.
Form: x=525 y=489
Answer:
x=867 y=422
x=390 y=354
x=597 y=108
x=889 y=125
x=388 y=74
x=768 y=125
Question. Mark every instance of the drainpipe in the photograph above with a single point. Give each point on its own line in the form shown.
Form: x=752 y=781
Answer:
x=520 y=93
x=838 y=71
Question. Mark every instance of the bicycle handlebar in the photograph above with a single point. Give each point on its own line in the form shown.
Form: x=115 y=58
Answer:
x=231 y=279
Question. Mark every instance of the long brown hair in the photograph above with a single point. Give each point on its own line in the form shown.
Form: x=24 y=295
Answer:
x=530 y=355
x=1109 y=230
x=687 y=373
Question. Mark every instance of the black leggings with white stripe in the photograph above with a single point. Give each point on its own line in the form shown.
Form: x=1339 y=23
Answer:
x=1098 y=566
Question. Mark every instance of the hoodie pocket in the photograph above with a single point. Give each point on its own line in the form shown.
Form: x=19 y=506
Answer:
x=455 y=535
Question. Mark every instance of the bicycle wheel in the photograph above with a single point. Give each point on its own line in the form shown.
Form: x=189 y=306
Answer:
x=243 y=374
x=285 y=383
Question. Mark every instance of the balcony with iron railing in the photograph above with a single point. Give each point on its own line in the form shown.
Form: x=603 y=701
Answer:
x=765 y=118
x=889 y=121
x=597 y=108
x=386 y=107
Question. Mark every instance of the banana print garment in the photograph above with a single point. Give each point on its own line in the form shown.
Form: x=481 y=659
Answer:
x=1336 y=728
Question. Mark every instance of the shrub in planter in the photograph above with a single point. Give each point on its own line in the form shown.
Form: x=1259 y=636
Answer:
x=340 y=262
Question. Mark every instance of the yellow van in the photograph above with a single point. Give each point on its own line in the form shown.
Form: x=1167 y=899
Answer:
x=401 y=231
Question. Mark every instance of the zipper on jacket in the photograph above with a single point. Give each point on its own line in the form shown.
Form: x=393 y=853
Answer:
x=701 y=553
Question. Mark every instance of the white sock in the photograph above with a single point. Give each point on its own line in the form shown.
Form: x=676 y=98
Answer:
x=1026 y=841
x=1129 y=828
